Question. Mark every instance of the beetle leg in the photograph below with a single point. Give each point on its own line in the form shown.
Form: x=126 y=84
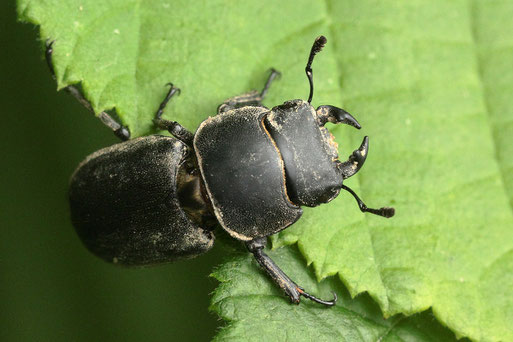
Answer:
x=335 y=115
x=274 y=75
x=48 y=56
x=292 y=290
x=252 y=98
x=120 y=131
x=177 y=130
x=384 y=211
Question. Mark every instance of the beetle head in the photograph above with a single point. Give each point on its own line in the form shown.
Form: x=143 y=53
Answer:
x=313 y=172
x=336 y=115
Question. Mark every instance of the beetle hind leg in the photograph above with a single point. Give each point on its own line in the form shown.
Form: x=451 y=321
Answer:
x=293 y=291
x=252 y=98
x=119 y=130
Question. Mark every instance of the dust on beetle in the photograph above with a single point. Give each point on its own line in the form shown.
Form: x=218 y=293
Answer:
x=249 y=169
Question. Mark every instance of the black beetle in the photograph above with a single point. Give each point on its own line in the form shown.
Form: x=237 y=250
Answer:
x=157 y=199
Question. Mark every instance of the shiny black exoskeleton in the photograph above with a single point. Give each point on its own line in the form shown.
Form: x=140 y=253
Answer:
x=249 y=169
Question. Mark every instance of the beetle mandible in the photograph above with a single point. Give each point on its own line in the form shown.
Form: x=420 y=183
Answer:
x=157 y=198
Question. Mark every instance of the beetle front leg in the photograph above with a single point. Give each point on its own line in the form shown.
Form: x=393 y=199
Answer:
x=292 y=290
x=119 y=130
x=274 y=75
x=252 y=98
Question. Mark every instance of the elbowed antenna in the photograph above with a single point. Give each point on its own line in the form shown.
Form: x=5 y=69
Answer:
x=350 y=167
x=386 y=212
x=316 y=48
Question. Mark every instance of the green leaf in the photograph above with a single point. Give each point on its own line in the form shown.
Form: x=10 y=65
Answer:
x=256 y=310
x=428 y=80
x=125 y=52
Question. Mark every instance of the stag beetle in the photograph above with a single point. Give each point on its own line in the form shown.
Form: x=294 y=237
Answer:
x=248 y=169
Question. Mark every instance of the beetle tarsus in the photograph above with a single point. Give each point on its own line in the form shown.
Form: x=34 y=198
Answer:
x=173 y=127
x=120 y=131
x=318 y=300
x=172 y=91
x=384 y=211
x=71 y=89
x=48 y=56
x=291 y=289
x=252 y=98
x=274 y=75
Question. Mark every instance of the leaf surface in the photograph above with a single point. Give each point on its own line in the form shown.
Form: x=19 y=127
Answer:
x=256 y=310
x=428 y=80
x=421 y=73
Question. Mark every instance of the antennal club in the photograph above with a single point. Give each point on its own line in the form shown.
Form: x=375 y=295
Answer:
x=316 y=48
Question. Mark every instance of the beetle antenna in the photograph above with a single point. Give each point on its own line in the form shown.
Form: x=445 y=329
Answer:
x=385 y=211
x=316 y=48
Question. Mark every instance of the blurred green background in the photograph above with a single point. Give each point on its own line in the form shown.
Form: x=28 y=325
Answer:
x=51 y=288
